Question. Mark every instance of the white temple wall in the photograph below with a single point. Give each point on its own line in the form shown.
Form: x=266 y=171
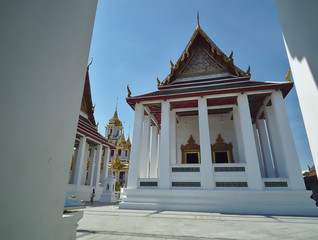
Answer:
x=227 y=131
x=44 y=58
x=189 y=125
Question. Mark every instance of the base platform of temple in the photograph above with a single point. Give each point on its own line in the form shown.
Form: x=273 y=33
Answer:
x=293 y=203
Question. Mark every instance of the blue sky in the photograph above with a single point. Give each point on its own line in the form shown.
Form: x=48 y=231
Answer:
x=133 y=42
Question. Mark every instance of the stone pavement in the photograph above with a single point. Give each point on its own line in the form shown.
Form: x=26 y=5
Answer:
x=102 y=221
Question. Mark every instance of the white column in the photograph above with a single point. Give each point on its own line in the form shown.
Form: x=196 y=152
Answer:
x=79 y=161
x=90 y=175
x=154 y=152
x=133 y=174
x=279 y=168
x=145 y=142
x=44 y=54
x=300 y=42
x=74 y=164
x=173 y=137
x=238 y=134
x=207 y=180
x=164 y=148
x=285 y=136
x=97 y=165
x=84 y=171
x=105 y=163
x=249 y=146
x=259 y=154
x=267 y=158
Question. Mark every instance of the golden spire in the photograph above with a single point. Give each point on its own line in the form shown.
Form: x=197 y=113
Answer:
x=287 y=77
x=158 y=81
x=248 y=72
x=114 y=121
x=129 y=92
x=198 y=19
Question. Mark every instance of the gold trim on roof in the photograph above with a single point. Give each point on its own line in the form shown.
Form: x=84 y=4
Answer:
x=248 y=72
x=121 y=142
x=214 y=49
x=287 y=77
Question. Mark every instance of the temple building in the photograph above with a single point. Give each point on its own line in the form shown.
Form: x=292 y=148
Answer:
x=120 y=156
x=91 y=152
x=211 y=139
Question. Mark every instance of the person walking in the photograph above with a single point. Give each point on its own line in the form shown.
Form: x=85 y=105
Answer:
x=92 y=197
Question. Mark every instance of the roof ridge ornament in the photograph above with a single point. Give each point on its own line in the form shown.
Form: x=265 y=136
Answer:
x=198 y=19
x=158 y=82
x=248 y=72
x=129 y=92
x=287 y=77
x=172 y=65
x=231 y=57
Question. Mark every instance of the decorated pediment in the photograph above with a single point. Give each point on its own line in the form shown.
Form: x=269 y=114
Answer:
x=201 y=62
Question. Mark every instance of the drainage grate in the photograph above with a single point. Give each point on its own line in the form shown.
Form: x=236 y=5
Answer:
x=231 y=184
x=229 y=169
x=186 y=184
x=276 y=184
x=148 y=184
x=185 y=169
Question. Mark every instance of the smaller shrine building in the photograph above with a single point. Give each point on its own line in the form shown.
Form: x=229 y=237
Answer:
x=120 y=156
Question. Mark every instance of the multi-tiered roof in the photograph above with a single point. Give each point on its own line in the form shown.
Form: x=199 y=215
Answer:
x=203 y=69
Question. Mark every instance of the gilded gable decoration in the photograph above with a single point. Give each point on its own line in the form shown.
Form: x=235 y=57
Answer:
x=201 y=62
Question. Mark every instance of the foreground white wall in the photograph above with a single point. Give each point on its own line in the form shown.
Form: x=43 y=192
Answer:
x=44 y=52
x=298 y=20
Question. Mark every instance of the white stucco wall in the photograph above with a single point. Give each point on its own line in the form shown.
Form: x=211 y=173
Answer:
x=190 y=125
x=44 y=53
x=298 y=20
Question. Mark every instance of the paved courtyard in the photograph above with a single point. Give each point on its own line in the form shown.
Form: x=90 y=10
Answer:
x=108 y=222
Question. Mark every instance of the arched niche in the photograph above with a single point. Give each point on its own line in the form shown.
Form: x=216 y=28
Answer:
x=190 y=152
x=221 y=151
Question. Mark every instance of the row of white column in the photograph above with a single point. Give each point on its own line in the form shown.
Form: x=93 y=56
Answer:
x=78 y=176
x=254 y=150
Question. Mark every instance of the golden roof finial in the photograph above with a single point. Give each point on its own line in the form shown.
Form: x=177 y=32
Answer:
x=231 y=57
x=248 y=72
x=171 y=63
x=198 y=19
x=129 y=92
x=287 y=77
x=158 y=81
